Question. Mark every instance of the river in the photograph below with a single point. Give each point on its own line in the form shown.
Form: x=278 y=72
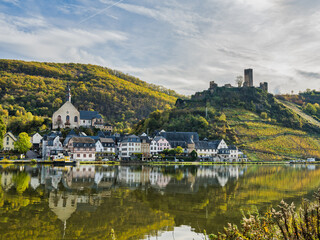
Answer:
x=142 y=202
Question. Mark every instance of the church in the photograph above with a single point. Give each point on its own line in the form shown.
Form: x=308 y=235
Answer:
x=68 y=116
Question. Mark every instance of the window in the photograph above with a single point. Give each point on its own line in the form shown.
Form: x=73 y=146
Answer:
x=78 y=155
x=90 y=155
x=59 y=118
x=7 y=138
x=84 y=155
x=76 y=119
x=67 y=118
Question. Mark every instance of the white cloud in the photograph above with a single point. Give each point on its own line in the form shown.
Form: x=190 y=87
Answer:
x=179 y=44
x=49 y=43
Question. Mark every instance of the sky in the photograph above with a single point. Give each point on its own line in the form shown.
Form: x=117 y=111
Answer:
x=179 y=44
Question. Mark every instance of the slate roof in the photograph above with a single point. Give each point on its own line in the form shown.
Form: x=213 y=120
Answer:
x=146 y=138
x=181 y=139
x=131 y=138
x=180 y=136
x=83 y=142
x=107 y=142
x=206 y=144
x=89 y=115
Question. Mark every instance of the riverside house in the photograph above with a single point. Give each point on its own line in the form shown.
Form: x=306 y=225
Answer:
x=8 y=141
x=81 y=148
x=129 y=146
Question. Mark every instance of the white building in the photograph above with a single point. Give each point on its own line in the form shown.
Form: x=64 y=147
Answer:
x=8 y=141
x=35 y=140
x=129 y=146
x=51 y=143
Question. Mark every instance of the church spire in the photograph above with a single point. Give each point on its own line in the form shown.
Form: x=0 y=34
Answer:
x=69 y=94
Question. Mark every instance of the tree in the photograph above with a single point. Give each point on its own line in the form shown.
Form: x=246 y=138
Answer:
x=179 y=150
x=23 y=143
x=264 y=115
x=3 y=130
x=194 y=155
x=239 y=81
x=309 y=108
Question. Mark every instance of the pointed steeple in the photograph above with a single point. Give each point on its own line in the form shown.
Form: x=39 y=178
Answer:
x=69 y=94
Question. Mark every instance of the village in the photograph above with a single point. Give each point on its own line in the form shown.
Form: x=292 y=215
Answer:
x=107 y=145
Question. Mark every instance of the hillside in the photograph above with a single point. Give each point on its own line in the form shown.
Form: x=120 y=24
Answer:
x=40 y=88
x=248 y=117
x=305 y=103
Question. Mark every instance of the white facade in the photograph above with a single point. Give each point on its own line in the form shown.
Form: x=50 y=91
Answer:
x=85 y=123
x=51 y=144
x=66 y=116
x=36 y=138
x=99 y=147
x=129 y=146
x=8 y=141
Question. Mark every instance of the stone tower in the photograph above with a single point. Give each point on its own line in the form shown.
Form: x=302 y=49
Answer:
x=248 y=78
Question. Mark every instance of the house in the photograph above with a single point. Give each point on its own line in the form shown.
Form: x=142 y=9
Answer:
x=67 y=116
x=81 y=148
x=108 y=127
x=128 y=146
x=186 y=140
x=209 y=148
x=35 y=140
x=145 y=146
x=51 y=143
x=91 y=119
x=108 y=145
x=158 y=144
x=8 y=141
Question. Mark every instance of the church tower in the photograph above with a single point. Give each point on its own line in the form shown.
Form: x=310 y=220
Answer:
x=69 y=94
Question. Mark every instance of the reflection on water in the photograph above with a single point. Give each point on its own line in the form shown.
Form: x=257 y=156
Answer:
x=137 y=202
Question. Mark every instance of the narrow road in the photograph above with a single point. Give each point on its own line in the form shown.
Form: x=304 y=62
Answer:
x=298 y=111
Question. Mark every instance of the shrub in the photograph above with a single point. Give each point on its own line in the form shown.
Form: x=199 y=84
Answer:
x=284 y=223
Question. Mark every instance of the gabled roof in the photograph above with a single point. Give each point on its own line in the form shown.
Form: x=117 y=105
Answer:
x=83 y=142
x=145 y=138
x=180 y=136
x=10 y=135
x=89 y=115
x=206 y=145
x=106 y=140
x=131 y=138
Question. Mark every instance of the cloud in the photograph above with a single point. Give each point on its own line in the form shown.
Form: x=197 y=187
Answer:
x=312 y=75
x=14 y=2
x=182 y=45
x=49 y=43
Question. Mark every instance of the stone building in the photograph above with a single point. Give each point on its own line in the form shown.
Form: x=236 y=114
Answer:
x=67 y=116
x=248 y=78
x=264 y=86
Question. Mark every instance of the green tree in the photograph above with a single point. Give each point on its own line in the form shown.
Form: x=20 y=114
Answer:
x=23 y=143
x=309 y=108
x=264 y=115
x=3 y=130
x=179 y=150
x=194 y=155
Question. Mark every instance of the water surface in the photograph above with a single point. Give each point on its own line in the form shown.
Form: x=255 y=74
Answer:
x=141 y=202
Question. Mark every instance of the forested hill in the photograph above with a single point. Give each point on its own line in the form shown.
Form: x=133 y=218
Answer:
x=248 y=117
x=40 y=88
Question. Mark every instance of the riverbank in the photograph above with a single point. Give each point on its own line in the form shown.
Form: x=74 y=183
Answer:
x=158 y=163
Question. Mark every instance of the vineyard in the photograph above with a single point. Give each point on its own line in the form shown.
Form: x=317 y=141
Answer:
x=262 y=139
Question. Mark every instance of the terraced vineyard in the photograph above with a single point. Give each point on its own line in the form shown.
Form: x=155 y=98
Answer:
x=264 y=140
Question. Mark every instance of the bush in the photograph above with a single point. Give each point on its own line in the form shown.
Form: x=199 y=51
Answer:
x=285 y=223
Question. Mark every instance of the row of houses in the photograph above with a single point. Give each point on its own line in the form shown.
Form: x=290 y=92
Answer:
x=89 y=148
